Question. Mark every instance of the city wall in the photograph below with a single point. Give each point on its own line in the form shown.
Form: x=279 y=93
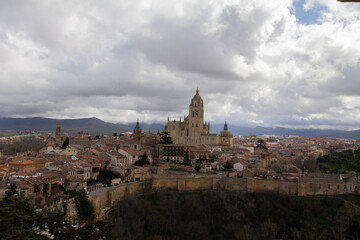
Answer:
x=106 y=197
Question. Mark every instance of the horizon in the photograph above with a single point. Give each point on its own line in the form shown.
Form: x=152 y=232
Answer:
x=292 y=64
x=211 y=124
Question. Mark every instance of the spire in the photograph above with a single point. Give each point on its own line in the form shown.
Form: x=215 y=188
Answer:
x=137 y=124
x=197 y=91
x=225 y=126
x=168 y=119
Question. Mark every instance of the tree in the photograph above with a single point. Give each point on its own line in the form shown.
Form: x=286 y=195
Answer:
x=19 y=219
x=165 y=138
x=143 y=161
x=187 y=159
x=227 y=166
x=197 y=168
x=59 y=227
x=12 y=190
x=84 y=209
x=261 y=144
x=66 y=143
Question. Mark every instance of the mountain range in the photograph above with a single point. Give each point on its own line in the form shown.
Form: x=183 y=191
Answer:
x=97 y=126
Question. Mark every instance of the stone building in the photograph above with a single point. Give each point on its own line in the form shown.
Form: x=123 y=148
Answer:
x=137 y=132
x=58 y=137
x=193 y=131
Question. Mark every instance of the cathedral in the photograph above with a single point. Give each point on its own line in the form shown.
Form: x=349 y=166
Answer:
x=193 y=131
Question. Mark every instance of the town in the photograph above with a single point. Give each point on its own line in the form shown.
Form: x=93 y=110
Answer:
x=63 y=164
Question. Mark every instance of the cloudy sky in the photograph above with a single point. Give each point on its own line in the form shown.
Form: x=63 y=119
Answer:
x=260 y=62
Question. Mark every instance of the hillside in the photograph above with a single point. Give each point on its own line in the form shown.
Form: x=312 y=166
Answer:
x=232 y=215
x=340 y=162
x=92 y=125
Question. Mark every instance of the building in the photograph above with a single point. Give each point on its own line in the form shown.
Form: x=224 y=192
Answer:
x=137 y=132
x=58 y=136
x=173 y=152
x=193 y=131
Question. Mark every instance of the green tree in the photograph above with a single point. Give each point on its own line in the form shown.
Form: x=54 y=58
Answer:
x=197 y=168
x=66 y=143
x=19 y=220
x=59 y=227
x=84 y=209
x=12 y=190
x=165 y=138
x=261 y=144
x=143 y=161
x=227 y=166
x=187 y=159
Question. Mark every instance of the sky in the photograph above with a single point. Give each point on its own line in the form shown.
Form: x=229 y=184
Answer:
x=256 y=62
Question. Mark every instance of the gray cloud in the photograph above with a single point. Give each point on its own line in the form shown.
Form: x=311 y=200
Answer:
x=253 y=62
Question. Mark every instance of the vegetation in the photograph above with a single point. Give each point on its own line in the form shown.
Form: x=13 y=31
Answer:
x=106 y=176
x=84 y=209
x=20 y=220
x=227 y=166
x=231 y=215
x=21 y=144
x=340 y=162
x=65 y=143
x=187 y=159
x=261 y=144
x=165 y=138
x=143 y=161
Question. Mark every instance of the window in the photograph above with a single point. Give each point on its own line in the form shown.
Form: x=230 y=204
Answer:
x=350 y=186
x=310 y=185
x=344 y=186
x=328 y=186
x=193 y=113
x=338 y=187
x=195 y=104
x=197 y=113
x=173 y=127
x=319 y=185
x=196 y=125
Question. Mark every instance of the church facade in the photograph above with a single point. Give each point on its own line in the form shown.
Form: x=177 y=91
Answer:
x=193 y=131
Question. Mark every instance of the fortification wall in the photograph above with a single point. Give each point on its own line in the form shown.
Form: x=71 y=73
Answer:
x=106 y=197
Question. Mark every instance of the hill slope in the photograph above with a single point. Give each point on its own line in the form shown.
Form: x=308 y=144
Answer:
x=92 y=125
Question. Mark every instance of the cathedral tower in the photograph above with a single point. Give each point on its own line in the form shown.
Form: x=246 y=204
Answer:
x=196 y=118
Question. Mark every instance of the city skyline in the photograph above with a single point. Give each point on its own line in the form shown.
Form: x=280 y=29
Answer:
x=256 y=63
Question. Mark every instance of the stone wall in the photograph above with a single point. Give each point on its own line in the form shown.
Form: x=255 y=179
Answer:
x=106 y=197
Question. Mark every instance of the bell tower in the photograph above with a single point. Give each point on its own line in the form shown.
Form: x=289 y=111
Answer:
x=137 y=132
x=196 y=118
x=58 y=138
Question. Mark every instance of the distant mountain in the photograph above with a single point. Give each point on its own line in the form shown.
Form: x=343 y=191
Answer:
x=245 y=131
x=92 y=125
x=97 y=126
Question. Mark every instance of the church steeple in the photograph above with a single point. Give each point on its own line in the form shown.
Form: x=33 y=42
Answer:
x=137 y=131
x=225 y=126
x=137 y=126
